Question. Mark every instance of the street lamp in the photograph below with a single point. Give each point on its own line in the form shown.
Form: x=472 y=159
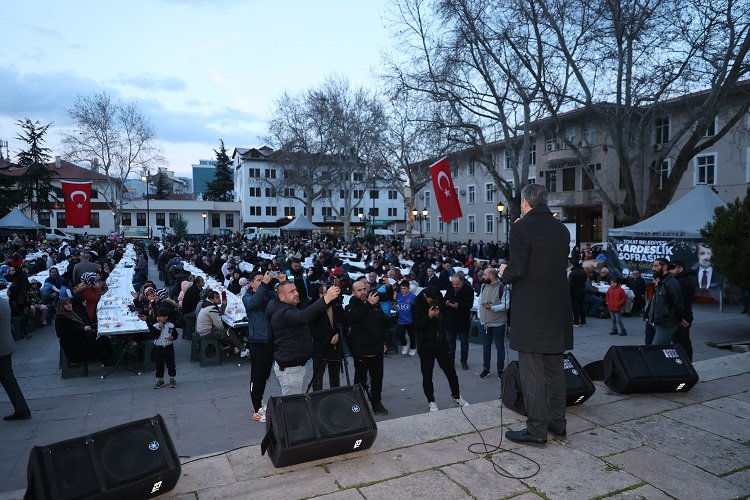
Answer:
x=502 y=213
x=204 y=222
x=420 y=218
x=148 y=207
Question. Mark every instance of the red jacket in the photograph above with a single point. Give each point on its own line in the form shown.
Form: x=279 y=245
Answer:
x=616 y=298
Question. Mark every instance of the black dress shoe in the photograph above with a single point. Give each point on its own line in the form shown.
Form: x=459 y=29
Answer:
x=379 y=409
x=523 y=437
x=18 y=416
x=557 y=433
x=464 y=365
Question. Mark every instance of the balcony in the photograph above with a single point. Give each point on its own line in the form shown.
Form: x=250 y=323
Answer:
x=558 y=153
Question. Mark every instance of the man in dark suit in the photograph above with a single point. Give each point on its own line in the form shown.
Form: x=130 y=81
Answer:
x=542 y=321
x=706 y=280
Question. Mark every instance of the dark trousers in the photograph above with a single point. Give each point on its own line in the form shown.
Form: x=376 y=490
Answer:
x=427 y=358
x=543 y=388
x=402 y=330
x=372 y=365
x=496 y=335
x=319 y=367
x=579 y=309
x=261 y=363
x=164 y=355
x=649 y=333
x=464 y=338
x=10 y=384
x=639 y=302
x=682 y=337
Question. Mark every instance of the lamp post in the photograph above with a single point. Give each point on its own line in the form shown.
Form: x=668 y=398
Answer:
x=204 y=222
x=420 y=218
x=148 y=207
x=361 y=216
x=503 y=214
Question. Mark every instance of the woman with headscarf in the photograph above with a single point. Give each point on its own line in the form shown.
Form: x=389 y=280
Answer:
x=77 y=338
x=91 y=291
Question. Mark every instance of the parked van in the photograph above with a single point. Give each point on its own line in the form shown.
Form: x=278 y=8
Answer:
x=57 y=235
x=254 y=233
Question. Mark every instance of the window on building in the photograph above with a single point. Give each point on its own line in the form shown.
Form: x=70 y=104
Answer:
x=374 y=194
x=441 y=226
x=94 y=194
x=160 y=218
x=44 y=218
x=472 y=167
x=288 y=192
x=710 y=129
x=589 y=134
x=173 y=218
x=489 y=223
x=287 y=174
x=94 y=219
x=327 y=211
x=550 y=180
x=126 y=219
x=705 y=169
x=570 y=135
x=456 y=226
x=489 y=192
x=229 y=220
x=392 y=212
x=358 y=176
x=661 y=130
x=271 y=211
x=140 y=219
x=270 y=192
x=392 y=194
x=270 y=173
x=342 y=211
x=428 y=224
x=62 y=224
x=471 y=194
x=427 y=199
x=506 y=160
x=342 y=194
x=552 y=143
x=255 y=211
x=215 y=220
x=256 y=192
x=471 y=223
x=357 y=194
x=569 y=179
x=254 y=173
x=374 y=212
x=456 y=170
x=290 y=212
x=532 y=154
x=664 y=170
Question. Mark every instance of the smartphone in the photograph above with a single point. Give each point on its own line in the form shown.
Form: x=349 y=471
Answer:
x=337 y=282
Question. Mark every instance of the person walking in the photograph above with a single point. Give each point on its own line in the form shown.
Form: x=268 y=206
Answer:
x=686 y=279
x=542 y=321
x=405 y=301
x=666 y=309
x=10 y=384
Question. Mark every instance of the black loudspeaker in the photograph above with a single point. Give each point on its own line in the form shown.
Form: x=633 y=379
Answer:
x=578 y=385
x=304 y=427
x=648 y=368
x=134 y=460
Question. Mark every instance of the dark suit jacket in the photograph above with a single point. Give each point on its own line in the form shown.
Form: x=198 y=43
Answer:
x=542 y=320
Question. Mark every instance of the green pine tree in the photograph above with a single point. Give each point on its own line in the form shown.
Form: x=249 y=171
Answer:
x=221 y=188
x=36 y=185
x=180 y=228
x=163 y=188
x=728 y=235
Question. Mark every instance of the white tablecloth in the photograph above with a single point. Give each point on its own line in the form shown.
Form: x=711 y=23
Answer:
x=113 y=315
x=234 y=314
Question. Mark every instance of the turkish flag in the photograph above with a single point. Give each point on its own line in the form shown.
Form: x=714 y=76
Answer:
x=445 y=193
x=77 y=203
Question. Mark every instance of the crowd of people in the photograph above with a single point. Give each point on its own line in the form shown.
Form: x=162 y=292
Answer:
x=323 y=299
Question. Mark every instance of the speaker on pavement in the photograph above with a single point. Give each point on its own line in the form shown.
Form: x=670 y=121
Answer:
x=133 y=460
x=578 y=385
x=648 y=368
x=304 y=427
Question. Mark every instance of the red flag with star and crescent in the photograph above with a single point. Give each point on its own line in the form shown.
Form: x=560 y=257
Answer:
x=77 y=203
x=445 y=192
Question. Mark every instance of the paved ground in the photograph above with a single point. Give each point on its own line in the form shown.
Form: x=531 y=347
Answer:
x=693 y=445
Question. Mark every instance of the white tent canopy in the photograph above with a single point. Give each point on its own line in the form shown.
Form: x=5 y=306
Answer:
x=683 y=218
x=15 y=219
x=300 y=223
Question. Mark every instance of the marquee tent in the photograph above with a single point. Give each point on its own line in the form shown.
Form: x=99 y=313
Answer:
x=17 y=220
x=300 y=223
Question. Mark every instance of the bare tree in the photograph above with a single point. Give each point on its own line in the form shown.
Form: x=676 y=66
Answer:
x=116 y=139
x=332 y=137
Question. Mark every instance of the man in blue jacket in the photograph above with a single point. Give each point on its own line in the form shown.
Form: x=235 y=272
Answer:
x=261 y=341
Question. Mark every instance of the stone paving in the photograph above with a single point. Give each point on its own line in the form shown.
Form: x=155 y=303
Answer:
x=686 y=445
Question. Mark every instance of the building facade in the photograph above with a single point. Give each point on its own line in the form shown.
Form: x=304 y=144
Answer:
x=725 y=166
x=255 y=172
x=203 y=173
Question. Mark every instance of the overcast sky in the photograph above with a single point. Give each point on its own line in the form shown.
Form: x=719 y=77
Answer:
x=201 y=70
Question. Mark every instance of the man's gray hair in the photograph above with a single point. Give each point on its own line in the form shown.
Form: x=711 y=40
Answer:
x=535 y=195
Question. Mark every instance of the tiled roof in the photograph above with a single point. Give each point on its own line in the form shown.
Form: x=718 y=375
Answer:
x=67 y=171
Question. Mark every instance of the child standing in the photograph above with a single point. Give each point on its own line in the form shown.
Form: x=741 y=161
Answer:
x=616 y=299
x=405 y=301
x=164 y=349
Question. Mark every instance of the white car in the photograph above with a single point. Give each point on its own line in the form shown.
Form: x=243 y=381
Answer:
x=57 y=235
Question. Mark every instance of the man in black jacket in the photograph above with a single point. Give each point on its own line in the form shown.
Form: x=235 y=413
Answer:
x=666 y=309
x=686 y=279
x=459 y=299
x=577 y=283
x=328 y=331
x=292 y=343
x=368 y=324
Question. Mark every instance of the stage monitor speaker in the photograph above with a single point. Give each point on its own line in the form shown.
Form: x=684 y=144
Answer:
x=133 y=460
x=305 y=427
x=648 y=368
x=578 y=385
